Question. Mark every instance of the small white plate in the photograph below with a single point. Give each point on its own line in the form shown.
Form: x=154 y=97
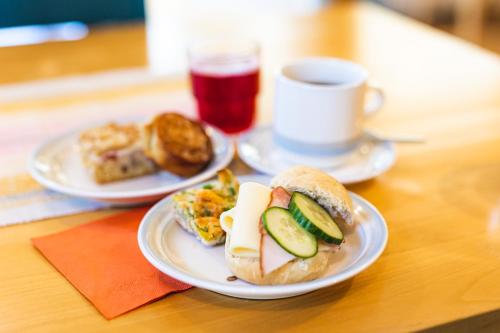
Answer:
x=178 y=254
x=56 y=164
x=366 y=160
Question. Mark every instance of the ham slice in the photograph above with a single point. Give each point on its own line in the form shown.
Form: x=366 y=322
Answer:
x=273 y=256
x=280 y=198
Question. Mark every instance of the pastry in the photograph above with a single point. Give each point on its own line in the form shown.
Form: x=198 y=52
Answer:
x=114 y=152
x=177 y=144
x=198 y=210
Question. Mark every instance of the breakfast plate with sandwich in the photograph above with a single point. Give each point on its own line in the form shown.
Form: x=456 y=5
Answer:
x=126 y=163
x=260 y=238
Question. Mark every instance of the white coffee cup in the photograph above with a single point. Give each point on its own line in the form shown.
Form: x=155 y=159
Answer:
x=320 y=105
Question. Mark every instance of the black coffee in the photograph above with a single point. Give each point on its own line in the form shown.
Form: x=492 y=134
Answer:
x=323 y=83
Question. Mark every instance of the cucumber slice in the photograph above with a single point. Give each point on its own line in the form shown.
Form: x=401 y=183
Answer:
x=283 y=228
x=314 y=218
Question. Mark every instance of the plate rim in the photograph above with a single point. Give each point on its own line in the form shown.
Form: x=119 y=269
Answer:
x=276 y=291
x=244 y=139
x=96 y=194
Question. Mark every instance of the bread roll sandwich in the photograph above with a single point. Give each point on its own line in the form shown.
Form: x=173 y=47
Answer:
x=289 y=232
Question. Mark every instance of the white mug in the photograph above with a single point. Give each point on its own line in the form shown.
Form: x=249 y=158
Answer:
x=320 y=105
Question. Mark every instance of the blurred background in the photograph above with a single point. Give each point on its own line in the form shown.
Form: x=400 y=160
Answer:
x=170 y=25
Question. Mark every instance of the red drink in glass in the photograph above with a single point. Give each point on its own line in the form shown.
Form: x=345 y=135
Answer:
x=225 y=83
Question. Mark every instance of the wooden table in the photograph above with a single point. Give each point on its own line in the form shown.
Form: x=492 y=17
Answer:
x=441 y=200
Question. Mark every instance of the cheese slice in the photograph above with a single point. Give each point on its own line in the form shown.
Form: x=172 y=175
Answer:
x=226 y=221
x=242 y=222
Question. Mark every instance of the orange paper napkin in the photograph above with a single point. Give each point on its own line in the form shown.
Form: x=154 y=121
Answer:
x=103 y=261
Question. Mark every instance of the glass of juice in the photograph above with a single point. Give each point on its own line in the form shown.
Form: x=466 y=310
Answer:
x=225 y=82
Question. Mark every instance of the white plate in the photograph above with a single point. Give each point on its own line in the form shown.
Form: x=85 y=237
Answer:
x=56 y=164
x=367 y=160
x=178 y=254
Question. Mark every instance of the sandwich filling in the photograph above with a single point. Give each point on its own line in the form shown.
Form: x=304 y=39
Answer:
x=249 y=238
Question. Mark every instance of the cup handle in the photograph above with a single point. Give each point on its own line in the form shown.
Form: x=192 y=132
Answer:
x=374 y=104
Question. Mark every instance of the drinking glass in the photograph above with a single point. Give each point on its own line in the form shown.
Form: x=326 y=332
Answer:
x=225 y=82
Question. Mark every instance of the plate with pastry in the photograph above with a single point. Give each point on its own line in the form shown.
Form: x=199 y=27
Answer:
x=127 y=163
x=267 y=238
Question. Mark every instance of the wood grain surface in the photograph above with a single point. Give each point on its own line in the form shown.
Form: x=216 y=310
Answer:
x=441 y=200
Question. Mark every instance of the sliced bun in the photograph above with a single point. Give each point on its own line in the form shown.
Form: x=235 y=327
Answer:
x=320 y=186
x=297 y=270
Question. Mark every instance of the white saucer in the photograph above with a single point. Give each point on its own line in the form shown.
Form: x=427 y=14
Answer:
x=366 y=160
x=178 y=254
x=56 y=164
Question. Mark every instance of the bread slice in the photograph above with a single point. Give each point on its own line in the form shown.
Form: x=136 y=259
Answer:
x=320 y=186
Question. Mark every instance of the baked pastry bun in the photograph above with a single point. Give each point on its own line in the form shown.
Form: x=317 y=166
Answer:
x=114 y=152
x=177 y=144
x=285 y=267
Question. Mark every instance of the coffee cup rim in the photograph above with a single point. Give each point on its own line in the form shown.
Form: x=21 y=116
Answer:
x=351 y=84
